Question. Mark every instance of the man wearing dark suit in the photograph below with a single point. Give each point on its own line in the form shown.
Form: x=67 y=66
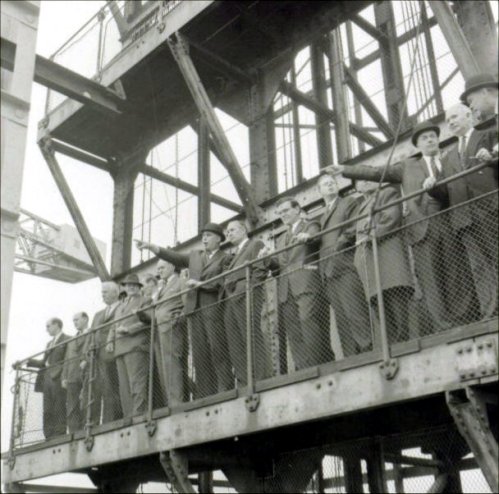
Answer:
x=71 y=379
x=474 y=224
x=209 y=343
x=299 y=287
x=49 y=378
x=427 y=238
x=393 y=262
x=171 y=342
x=130 y=339
x=105 y=387
x=234 y=290
x=341 y=280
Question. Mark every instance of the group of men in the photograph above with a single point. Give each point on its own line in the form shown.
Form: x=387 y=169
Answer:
x=319 y=264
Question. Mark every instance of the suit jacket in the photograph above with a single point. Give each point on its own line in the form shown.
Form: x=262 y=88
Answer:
x=167 y=312
x=287 y=263
x=470 y=186
x=393 y=259
x=235 y=283
x=137 y=339
x=101 y=335
x=201 y=269
x=410 y=174
x=71 y=371
x=51 y=363
x=333 y=264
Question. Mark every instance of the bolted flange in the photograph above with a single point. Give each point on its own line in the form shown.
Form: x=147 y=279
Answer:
x=389 y=368
x=252 y=402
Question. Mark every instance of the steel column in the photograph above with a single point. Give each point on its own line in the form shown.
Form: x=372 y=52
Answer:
x=262 y=145
x=203 y=173
x=352 y=474
x=376 y=468
x=324 y=144
x=49 y=155
x=455 y=37
x=390 y=64
x=124 y=188
x=340 y=103
x=179 y=50
x=296 y=133
x=478 y=26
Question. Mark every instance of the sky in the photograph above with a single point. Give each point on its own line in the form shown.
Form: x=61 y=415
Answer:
x=34 y=299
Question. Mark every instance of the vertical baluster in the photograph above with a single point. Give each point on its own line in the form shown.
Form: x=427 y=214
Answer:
x=249 y=332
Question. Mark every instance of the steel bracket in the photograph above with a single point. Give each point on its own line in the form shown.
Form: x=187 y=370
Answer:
x=476 y=359
x=389 y=368
x=252 y=402
x=11 y=461
x=89 y=442
x=470 y=415
x=151 y=427
x=176 y=468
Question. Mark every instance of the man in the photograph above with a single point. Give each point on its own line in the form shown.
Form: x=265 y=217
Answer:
x=130 y=339
x=234 y=290
x=299 y=287
x=392 y=258
x=171 y=344
x=209 y=343
x=427 y=238
x=341 y=280
x=49 y=379
x=71 y=379
x=150 y=286
x=476 y=223
x=105 y=388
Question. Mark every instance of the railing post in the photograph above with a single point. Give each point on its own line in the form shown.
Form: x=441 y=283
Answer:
x=100 y=17
x=12 y=459
x=151 y=424
x=252 y=400
x=92 y=376
x=389 y=366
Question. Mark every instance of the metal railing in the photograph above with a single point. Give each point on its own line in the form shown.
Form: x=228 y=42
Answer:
x=293 y=314
x=92 y=47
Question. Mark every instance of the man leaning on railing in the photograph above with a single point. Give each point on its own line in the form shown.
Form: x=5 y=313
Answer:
x=48 y=380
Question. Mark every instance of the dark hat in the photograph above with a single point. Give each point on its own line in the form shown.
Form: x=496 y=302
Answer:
x=214 y=228
x=132 y=279
x=478 y=82
x=423 y=127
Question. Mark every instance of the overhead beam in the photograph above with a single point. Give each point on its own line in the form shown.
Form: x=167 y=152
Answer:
x=218 y=63
x=83 y=156
x=187 y=187
x=77 y=87
x=366 y=101
x=118 y=17
x=180 y=53
x=369 y=28
x=313 y=105
x=49 y=155
x=455 y=38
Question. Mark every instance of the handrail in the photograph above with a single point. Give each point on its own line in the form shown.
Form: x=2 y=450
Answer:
x=223 y=275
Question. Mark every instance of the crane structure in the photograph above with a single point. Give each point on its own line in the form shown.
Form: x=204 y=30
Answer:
x=420 y=410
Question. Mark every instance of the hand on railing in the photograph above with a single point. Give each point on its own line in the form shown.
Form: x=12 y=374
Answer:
x=122 y=330
x=110 y=347
x=265 y=252
x=484 y=155
x=429 y=183
x=64 y=384
x=190 y=283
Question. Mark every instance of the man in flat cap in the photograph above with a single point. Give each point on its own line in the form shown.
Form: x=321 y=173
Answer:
x=129 y=338
x=426 y=237
x=205 y=316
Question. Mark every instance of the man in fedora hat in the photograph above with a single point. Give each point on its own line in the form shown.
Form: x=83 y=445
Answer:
x=474 y=224
x=205 y=316
x=426 y=237
x=129 y=338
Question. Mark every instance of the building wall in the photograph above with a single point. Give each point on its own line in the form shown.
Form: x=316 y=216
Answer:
x=19 y=25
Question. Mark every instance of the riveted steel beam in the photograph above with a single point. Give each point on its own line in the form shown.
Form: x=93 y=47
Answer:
x=176 y=468
x=179 y=50
x=77 y=87
x=49 y=155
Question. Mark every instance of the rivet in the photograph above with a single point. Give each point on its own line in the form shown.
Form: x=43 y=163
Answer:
x=460 y=351
x=330 y=383
x=480 y=346
x=318 y=386
x=489 y=344
x=468 y=349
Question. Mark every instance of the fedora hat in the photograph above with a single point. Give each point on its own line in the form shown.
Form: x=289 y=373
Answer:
x=214 y=228
x=423 y=127
x=476 y=82
x=131 y=279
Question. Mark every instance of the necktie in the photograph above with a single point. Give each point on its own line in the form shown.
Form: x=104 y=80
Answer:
x=433 y=165
x=462 y=151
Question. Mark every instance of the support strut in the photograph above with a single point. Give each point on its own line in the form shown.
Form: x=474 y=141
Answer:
x=470 y=416
x=176 y=468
